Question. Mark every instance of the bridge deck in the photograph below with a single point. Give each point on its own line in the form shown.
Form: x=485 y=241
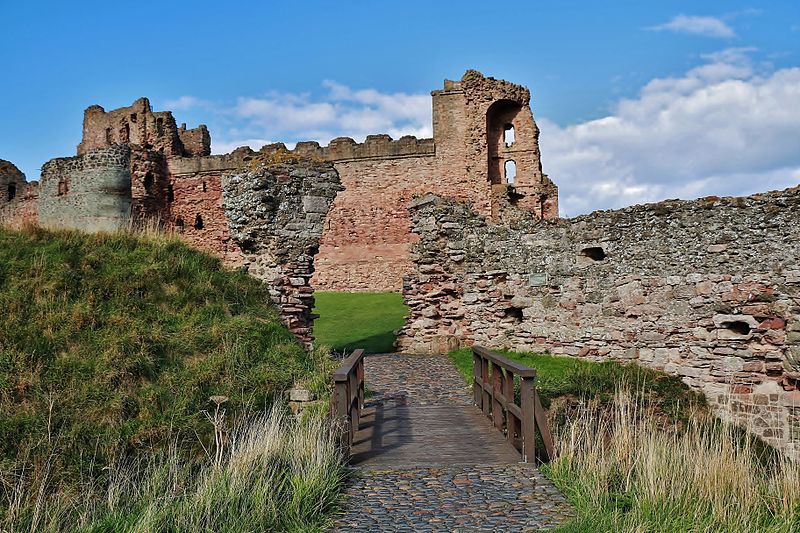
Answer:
x=428 y=460
x=398 y=435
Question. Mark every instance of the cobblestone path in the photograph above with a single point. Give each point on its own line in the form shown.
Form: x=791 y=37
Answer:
x=427 y=460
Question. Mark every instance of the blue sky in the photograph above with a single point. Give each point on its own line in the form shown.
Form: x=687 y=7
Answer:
x=637 y=101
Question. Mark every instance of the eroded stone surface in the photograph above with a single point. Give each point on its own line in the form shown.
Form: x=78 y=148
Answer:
x=276 y=212
x=704 y=290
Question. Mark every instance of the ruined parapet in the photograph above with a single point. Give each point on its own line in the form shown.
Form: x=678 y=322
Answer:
x=276 y=208
x=90 y=192
x=140 y=126
x=708 y=290
x=374 y=147
x=196 y=141
x=12 y=181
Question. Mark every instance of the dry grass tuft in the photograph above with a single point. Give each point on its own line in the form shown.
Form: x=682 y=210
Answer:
x=625 y=473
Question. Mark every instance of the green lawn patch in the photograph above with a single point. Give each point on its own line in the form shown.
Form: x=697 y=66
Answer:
x=351 y=320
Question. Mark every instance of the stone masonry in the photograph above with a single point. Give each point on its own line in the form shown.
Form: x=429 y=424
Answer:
x=18 y=198
x=277 y=208
x=708 y=290
x=480 y=125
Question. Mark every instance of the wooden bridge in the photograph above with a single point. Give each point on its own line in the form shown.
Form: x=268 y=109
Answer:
x=398 y=433
x=431 y=450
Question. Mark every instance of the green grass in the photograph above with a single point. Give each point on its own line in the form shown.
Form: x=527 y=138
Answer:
x=365 y=320
x=112 y=345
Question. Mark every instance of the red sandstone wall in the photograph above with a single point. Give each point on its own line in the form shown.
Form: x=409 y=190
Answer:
x=366 y=240
x=23 y=209
x=201 y=196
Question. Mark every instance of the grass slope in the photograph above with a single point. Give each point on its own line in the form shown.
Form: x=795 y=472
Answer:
x=112 y=345
x=365 y=320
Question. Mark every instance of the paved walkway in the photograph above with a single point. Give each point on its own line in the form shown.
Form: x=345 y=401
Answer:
x=427 y=460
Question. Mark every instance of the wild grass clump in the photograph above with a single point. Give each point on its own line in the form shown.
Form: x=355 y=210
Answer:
x=623 y=471
x=271 y=473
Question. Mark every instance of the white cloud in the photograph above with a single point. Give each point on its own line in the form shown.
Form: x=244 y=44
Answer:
x=694 y=25
x=184 y=103
x=343 y=111
x=720 y=129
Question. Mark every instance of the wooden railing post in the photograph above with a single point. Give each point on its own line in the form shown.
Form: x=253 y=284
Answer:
x=493 y=391
x=528 y=406
x=497 y=407
x=348 y=397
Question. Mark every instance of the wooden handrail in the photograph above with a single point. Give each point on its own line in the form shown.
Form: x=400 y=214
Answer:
x=494 y=392
x=517 y=368
x=348 y=397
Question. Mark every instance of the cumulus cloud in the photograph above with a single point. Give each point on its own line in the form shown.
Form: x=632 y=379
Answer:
x=342 y=111
x=694 y=25
x=722 y=128
x=184 y=103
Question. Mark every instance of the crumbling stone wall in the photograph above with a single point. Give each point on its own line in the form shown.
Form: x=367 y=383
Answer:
x=17 y=196
x=277 y=206
x=708 y=290
x=138 y=125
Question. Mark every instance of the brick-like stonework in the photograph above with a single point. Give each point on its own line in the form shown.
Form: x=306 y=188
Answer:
x=91 y=192
x=277 y=209
x=708 y=290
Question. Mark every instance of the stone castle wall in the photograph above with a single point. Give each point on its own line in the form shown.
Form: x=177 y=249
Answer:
x=708 y=290
x=91 y=192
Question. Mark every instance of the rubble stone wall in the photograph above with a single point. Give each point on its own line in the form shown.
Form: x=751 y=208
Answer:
x=277 y=212
x=708 y=290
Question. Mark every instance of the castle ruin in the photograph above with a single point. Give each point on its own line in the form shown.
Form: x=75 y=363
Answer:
x=708 y=290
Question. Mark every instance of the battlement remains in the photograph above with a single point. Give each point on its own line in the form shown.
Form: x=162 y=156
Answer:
x=139 y=125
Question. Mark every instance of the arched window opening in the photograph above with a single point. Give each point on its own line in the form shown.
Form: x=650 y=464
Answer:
x=170 y=193
x=198 y=222
x=510 y=172
x=508 y=135
x=148 y=182
x=12 y=191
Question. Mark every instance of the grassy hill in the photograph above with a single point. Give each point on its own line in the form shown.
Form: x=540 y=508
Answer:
x=112 y=345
